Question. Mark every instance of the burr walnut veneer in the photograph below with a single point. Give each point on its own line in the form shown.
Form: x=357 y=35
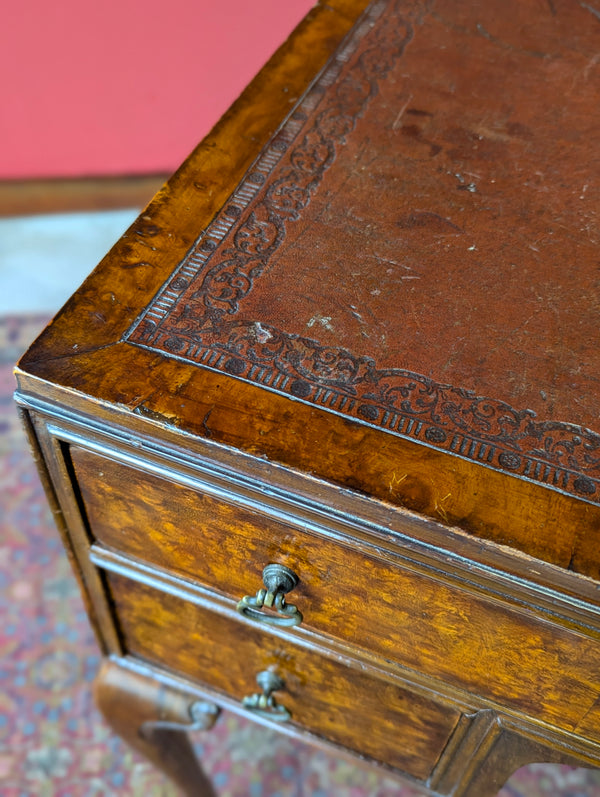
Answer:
x=321 y=431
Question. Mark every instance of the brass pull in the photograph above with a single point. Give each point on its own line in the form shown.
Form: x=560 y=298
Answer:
x=202 y=717
x=278 y=581
x=263 y=703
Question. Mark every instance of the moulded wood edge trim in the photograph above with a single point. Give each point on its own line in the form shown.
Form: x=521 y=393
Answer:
x=75 y=194
x=497 y=574
x=50 y=462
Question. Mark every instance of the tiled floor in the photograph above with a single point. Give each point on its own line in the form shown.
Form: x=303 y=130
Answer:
x=43 y=259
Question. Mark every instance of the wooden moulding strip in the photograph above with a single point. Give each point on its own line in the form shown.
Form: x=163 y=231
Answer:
x=564 y=597
x=63 y=195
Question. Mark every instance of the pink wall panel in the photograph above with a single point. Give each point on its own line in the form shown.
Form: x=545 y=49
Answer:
x=125 y=86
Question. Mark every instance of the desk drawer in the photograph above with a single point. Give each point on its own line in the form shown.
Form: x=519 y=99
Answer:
x=349 y=707
x=424 y=623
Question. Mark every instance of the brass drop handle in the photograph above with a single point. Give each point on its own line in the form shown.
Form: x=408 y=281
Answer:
x=203 y=716
x=278 y=581
x=263 y=703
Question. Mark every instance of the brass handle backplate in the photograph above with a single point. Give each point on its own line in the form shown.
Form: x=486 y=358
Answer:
x=278 y=581
x=263 y=703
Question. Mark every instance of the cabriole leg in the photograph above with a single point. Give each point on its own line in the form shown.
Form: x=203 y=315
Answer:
x=155 y=720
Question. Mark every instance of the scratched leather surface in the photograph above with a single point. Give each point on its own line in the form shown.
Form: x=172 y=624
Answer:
x=430 y=209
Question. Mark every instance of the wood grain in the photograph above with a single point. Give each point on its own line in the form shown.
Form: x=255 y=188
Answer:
x=489 y=596
x=82 y=352
x=356 y=710
x=421 y=622
x=542 y=523
x=27 y=197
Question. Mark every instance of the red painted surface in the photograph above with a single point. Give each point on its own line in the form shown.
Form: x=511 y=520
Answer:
x=124 y=86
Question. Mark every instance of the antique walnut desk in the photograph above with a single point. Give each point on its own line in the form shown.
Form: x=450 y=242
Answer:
x=320 y=432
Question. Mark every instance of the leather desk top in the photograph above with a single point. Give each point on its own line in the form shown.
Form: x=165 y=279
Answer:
x=408 y=240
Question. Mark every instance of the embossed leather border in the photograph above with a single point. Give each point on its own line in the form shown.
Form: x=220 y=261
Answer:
x=222 y=266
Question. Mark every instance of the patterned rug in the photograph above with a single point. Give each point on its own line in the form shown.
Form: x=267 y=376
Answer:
x=54 y=743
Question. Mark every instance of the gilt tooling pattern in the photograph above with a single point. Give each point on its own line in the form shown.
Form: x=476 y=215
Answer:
x=212 y=312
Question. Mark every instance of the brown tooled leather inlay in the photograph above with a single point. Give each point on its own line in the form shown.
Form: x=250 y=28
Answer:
x=425 y=218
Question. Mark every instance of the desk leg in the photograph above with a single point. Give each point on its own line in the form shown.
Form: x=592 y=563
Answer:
x=154 y=719
x=511 y=749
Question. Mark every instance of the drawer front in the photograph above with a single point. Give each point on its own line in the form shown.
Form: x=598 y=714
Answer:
x=356 y=710
x=481 y=645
